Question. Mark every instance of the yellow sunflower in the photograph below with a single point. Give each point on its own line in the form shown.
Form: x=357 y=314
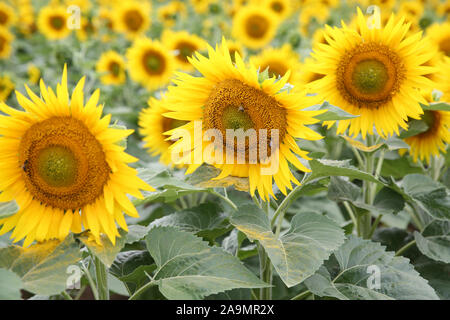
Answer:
x=439 y=34
x=7 y=15
x=112 y=67
x=279 y=61
x=282 y=8
x=230 y=97
x=201 y=6
x=52 y=22
x=254 y=26
x=373 y=73
x=6 y=38
x=168 y=13
x=183 y=45
x=62 y=164
x=312 y=13
x=34 y=74
x=6 y=87
x=153 y=124
x=150 y=63
x=132 y=18
x=235 y=47
x=26 y=16
x=87 y=30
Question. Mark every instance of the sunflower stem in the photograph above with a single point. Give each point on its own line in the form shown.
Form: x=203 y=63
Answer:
x=265 y=265
x=102 y=279
x=66 y=296
x=366 y=217
x=90 y=280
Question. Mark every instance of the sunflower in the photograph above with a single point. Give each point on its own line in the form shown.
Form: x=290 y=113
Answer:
x=7 y=15
x=62 y=164
x=373 y=73
x=34 y=74
x=52 y=22
x=6 y=38
x=230 y=97
x=235 y=47
x=132 y=18
x=279 y=61
x=439 y=34
x=112 y=65
x=201 y=6
x=87 y=30
x=168 y=13
x=310 y=15
x=26 y=16
x=6 y=87
x=254 y=26
x=183 y=45
x=153 y=124
x=282 y=8
x=150 y=63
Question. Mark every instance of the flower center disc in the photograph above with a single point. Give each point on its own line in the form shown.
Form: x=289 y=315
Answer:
x=57 y=22
x=114 y=68
x=276 y=69
x=153 y=62
x=369 y=75
x=257 y=26
x=235 y=105
x=444 y=46
x=185 y=50
x=2 y=43
x=433 y=120
x=63 y=164
x=3 y=18
x=133 y=20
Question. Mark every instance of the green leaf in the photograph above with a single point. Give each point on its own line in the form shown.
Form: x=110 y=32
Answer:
x=398 y=168
x=105 y=251
x=136 y=233
x=206 y=220
x=189 y=269
x=341 y=189
x=10 y=285
x=325 y=168
x=388 y=201
x=440 y=106
x=415 y=127
x=117 y=286
x=395 y=144
x=42 y=267
x=436 y=273
x=429 y=195
x=204 y=175
x=7 y=209
x=434 y=242
x=297 y=254
x=333 y=113
x=349 y=274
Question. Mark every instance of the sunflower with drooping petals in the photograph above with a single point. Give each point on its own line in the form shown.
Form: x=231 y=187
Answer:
x=150 y=63
x=373 y=73
x=132 y=18
x=230 y=97
x=63 y=165
x=183 y=45
x=7 y=15
x=6 y=39
x=153 y=124
x=6 y=87
x=112 y=67
x=279 y=61
x=254 y=26
x=52 y=22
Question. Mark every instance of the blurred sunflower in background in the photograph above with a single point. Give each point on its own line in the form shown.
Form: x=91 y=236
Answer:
x=279 y=61
x=63 y=165
x=153 y=124
x=34 y=74
x=111 y=66
x=229 y=96
x=254 y=26
x=282 y=8
x=169 y=13
x=373 y=73
x=7 y=15
x=236 y=47
x=439 y=34
x=132 y=18
x=52 y=22
x=87 y=29
x=6 y=39
x=150 y=63
x=6 y=87
x=183 y=45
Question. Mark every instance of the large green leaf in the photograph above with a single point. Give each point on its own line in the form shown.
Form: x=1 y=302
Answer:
x=333 y=113
x=429 y=195
x=204 y=176
x=434 y=242
x=298 y=253
x=7 y=209
x=398 y=168
x=351 y=272
x=437 y=274
x=42 y=267
x=10 y=285
x=207 y=220
x=441 y=106
x=189 y=269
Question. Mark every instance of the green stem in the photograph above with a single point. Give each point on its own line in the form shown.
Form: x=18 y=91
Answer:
x=66 y=296
x=366 y=218
x=302 y=295
x=102 y=279
x=142 y=289
x=183 y=203
x=375 y=225
x=90 y=280
x=351 y=214
x=405 y=247
x=265 y=264
x=227 y=200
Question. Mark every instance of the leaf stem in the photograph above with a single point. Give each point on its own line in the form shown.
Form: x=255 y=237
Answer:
x=142 y=289
x=226 y=199
x=405 y=247
x=102 y=279
x=90 y=280
x=302 y=295
x=66 y=296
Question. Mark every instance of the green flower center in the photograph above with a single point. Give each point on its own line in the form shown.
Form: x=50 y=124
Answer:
x=370 y=76
x=57 y=166
x=57 y=22
x=257 y=26
x=236 y=118
x=114 y=67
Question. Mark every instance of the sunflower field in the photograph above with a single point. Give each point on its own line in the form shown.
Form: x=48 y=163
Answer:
x=224 y=150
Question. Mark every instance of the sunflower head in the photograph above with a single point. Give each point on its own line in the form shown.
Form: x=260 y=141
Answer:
x=6 y=38
x=281 y=8
x=439 y=34
x=6 y=87
x=254 y=26
x=132 y=18
x=183 y=45
x=52 y=22
x=373 y=73
x=7 y=15
x=112 y=67
x=150 y=63
x=237 y=123
x=63 y=165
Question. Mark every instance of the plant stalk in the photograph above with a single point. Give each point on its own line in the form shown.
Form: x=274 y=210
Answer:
x=102 y=279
